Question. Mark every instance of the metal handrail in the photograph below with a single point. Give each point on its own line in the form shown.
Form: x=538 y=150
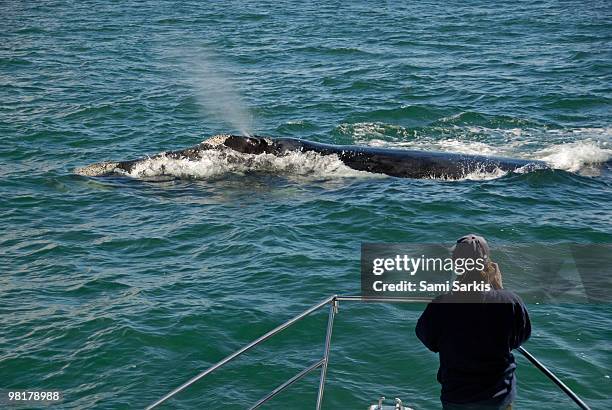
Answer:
x=242 y=350
x=288 y=383
x=324 y=361
x=554 y=378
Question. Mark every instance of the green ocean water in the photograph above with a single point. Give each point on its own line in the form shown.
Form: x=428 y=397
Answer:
x=117 y=290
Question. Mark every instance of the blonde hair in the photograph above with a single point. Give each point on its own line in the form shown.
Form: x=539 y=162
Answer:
x=491 y=274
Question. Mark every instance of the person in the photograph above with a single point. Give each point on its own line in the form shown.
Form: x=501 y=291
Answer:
x=474 y=333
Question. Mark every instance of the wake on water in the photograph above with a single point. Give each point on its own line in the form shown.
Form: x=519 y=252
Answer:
x=579 y=156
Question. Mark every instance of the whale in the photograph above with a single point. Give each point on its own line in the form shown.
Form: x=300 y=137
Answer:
x=400 y=163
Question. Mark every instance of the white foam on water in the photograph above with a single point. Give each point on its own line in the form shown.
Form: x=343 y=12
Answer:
x=215 y=163
x=445 y=145
x=482 y=175
x=467 y=147
x=476 y=175
x=575 y=156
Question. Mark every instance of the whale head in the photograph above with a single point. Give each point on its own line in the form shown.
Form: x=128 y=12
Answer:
x=98 y=170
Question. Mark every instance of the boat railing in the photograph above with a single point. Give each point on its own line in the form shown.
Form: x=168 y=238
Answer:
x=323 y=362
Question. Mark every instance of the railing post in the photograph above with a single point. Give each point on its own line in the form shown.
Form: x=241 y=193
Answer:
x=333 y=309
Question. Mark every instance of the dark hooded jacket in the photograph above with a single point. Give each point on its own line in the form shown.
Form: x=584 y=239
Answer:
x=475 y=333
